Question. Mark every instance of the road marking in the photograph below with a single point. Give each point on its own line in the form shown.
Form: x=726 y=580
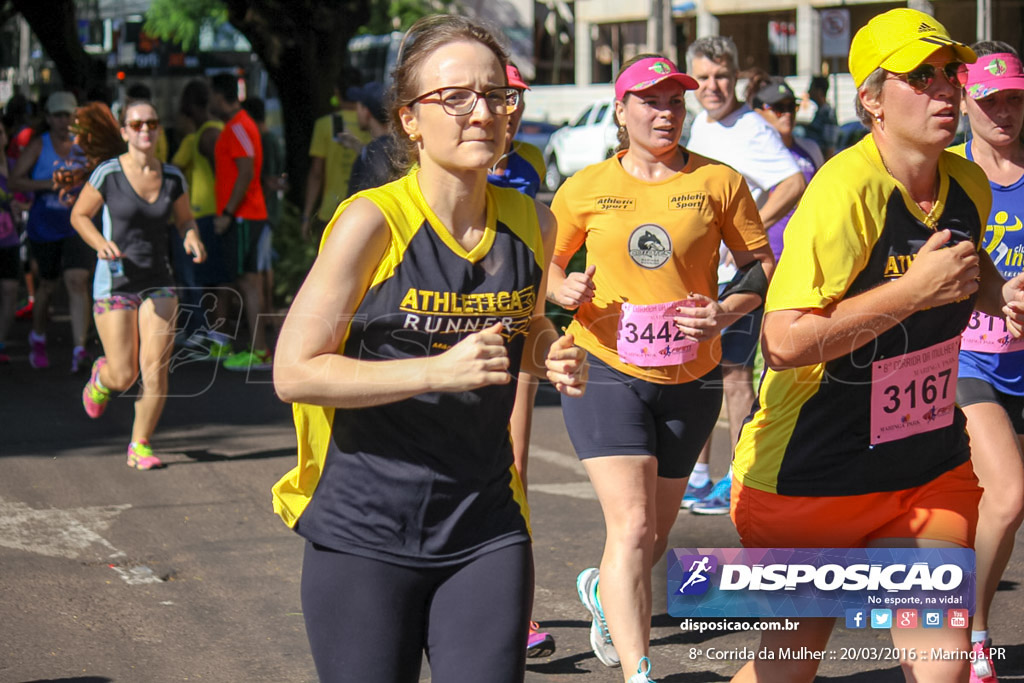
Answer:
x=565 y=460
x=57 y=533
x=137 y=576
x=575 y=489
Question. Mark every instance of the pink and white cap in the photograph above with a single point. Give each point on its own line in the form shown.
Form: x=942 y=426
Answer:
x=992 y=73
x=649 y=72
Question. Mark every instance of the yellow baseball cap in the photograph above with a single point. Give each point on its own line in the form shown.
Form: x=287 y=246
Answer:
x=898 y=41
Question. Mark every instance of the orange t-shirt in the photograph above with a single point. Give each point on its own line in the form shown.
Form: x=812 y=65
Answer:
x=240 y=138
x=652 y=242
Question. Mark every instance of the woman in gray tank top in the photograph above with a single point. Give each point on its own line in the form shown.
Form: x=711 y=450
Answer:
x=135 y=303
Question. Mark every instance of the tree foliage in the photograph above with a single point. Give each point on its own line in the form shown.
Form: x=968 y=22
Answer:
x=182 y=20
x=398 y=15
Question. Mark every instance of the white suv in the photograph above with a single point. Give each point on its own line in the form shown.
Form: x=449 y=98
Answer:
x=590 y=138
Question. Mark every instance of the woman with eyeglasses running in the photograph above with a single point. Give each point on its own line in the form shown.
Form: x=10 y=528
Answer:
x=652 y=218
x=775 y=101
x=399 y=353
x=135 y=304
x=857 y=440
x=991 y=385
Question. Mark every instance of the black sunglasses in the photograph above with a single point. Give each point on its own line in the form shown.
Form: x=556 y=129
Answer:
x=785 y=107
x=922 y=77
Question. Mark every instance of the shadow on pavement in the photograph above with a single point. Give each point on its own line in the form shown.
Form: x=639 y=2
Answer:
x=198 y=456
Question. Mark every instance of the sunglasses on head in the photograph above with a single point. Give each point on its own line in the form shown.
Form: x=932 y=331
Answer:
x=137 y=125
x=922 y=77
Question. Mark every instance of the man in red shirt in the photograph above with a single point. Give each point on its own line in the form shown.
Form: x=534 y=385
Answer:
x=242 y=214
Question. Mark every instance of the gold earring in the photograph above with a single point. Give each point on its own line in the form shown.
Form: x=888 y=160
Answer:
x=414 y=137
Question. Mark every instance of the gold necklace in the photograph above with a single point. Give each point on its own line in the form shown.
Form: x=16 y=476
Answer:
x=930 y=219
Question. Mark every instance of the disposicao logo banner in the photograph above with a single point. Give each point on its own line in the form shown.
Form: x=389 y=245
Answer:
x=816 y=582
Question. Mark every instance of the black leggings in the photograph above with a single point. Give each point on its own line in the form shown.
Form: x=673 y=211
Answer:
x=369 y=620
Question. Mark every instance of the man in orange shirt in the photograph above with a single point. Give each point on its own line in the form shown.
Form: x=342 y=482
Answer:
x=242 y=214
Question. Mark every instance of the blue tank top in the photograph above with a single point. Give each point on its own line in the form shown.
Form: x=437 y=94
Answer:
x=49 y=219
x=1004 y=371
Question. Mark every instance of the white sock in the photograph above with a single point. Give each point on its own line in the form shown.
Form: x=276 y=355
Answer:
x=979 y=636
x=699 y=477
x=218 y=337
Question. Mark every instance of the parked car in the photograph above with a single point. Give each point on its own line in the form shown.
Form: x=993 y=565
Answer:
x=536 y=133
x=588 y=139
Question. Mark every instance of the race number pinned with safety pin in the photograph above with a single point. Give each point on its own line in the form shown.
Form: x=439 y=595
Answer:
x=915 y=392
x=988 y=334
x=648 y=337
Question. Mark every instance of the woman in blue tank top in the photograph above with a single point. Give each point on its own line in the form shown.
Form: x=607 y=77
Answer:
x=991 y=375
x=56 y=248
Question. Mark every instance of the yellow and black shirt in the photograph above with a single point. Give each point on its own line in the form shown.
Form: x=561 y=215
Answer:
x=428 y=480
x=854 y=229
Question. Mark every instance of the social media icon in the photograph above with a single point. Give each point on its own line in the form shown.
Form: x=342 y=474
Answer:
x=932 y=618
x=881 y=618
x=856 y=618
x=957 y=618
x=906 y=618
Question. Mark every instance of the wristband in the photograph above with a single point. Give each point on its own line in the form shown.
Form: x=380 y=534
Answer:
x=229 y=214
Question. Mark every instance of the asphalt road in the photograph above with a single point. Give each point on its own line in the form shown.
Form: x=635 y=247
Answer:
x=185 y=574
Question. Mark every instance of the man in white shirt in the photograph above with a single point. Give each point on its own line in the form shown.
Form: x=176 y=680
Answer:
x=729 y=131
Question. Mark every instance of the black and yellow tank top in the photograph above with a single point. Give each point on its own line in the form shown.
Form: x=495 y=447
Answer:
x=811 y=432
x=428 y=480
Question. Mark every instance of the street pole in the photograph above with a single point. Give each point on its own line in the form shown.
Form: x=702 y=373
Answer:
x=984 y=20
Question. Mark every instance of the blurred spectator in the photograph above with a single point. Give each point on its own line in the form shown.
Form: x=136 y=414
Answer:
x=275 y=182
x=373 y=166
x=195 y=158
x=774 y=100
x=242 y=214
x=21 y=118
x=729 y=131
x=56 y=247
x=332 y=150
x=823 y=128
x=10 y=268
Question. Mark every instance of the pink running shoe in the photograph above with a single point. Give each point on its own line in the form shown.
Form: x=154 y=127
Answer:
x=539 y=643
x=80 y=359
x=95 y=397
x=982 y=670
x=140 y=456
x=37 y=357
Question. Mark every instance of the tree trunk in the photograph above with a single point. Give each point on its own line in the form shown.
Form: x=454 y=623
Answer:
x=303 y=46
x=54 y=22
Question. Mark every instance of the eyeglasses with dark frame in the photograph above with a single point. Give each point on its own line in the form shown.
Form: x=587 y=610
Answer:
x=137 y=124
x=461 y=101
x=922 y=77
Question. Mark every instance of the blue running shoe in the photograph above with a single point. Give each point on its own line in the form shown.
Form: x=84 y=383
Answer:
x=695 y=494
x=600 y=638
x=717 y=502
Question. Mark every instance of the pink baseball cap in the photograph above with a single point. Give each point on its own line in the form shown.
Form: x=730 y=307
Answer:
x=649 y=72
x=992 y=73
x=514 y=79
